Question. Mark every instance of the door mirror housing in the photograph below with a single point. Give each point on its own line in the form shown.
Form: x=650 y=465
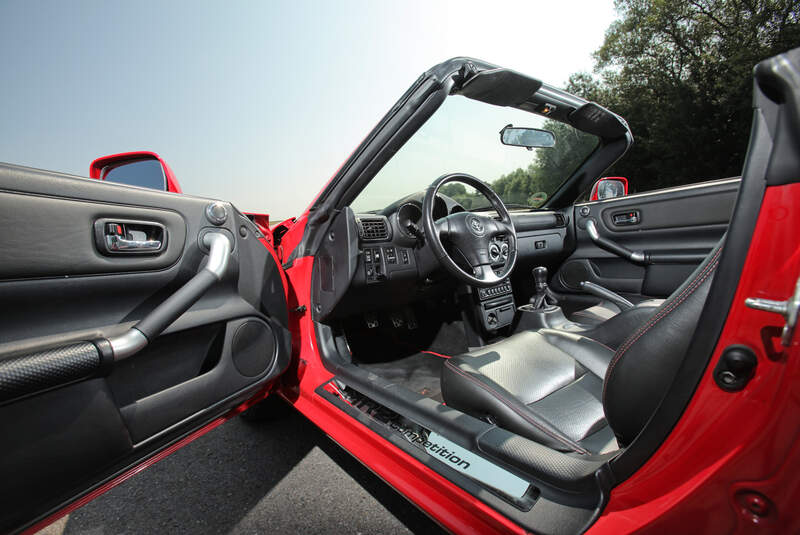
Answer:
x=609 y=187
x=141 y=168
x=529 y=138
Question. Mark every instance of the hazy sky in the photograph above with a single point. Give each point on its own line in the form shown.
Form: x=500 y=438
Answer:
x=258 y=103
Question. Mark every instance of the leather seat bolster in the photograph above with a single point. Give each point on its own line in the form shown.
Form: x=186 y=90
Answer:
x=614 y=331
x=480 y=396
x=576 y=408
x=595 y=315
x=591 y=354
x=525 y=364
x=546 y=387
x=606 y=312
x=644 y=366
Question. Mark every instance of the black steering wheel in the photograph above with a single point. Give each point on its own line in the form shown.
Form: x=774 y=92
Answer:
x=470 y=234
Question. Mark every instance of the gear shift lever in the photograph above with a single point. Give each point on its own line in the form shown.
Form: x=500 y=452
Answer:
x=540 y=298
x=540 y=279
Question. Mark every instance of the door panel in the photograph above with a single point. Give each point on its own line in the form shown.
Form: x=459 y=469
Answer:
x=57 y=244
x=72 y=414
x=675 y=228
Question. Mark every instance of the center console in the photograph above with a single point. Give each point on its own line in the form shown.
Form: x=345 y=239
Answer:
x=496 y=306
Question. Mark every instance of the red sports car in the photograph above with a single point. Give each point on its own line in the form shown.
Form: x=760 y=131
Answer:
x=512 y=342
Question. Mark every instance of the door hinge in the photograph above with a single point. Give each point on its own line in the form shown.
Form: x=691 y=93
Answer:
x=789 y=309
x=300 y=310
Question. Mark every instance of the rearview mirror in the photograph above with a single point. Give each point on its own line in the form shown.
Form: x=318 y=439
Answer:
x=529 y=138
x=141 y=168
x=609 y=187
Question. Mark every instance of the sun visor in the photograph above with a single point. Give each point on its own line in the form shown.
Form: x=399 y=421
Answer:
x=501 y=87
x=595 y=119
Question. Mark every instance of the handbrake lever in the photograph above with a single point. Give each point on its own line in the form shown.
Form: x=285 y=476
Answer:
x=605 y=293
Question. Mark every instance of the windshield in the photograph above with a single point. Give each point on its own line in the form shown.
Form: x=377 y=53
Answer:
x=464 y=136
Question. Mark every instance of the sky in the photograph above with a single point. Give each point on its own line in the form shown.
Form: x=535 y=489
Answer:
x=257 y=103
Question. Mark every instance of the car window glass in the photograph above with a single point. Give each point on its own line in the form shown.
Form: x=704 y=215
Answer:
x=464 y=136
x=142 y=173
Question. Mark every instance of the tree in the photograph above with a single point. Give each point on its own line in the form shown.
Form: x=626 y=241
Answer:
x=679 y=71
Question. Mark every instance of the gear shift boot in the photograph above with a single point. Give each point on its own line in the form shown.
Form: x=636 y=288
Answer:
x=549 y=317
x=542 y=312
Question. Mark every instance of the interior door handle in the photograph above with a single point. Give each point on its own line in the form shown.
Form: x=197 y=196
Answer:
x=117 y=243
x=115 y=237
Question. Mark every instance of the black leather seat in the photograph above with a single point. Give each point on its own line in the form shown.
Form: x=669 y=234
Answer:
x=605 y=310
x=588 y=392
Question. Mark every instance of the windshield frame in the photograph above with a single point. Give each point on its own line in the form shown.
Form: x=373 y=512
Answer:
x=411 y=111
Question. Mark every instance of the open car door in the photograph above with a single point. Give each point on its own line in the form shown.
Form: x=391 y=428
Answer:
x=132 y=321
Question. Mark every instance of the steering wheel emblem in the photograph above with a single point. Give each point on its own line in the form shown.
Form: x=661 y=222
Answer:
x=476 y=226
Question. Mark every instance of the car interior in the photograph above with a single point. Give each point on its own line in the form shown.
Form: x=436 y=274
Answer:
x=543 y=333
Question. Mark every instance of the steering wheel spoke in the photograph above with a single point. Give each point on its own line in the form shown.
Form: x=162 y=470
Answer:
x=505 y=228
x=486 y=274
x=442 y=227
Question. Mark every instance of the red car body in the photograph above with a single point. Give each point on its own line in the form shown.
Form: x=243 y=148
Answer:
x=729 y=465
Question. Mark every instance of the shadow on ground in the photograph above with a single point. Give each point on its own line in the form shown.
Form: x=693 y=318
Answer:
x=283 y=476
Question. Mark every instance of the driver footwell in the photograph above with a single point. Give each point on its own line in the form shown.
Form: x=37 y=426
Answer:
x=420 y=373
x=410 y=357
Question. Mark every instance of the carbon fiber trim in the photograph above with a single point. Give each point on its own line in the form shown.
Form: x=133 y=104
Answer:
x=26 y=374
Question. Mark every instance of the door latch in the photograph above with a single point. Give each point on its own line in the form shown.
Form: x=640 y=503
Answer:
x=789 y=309
x=631 y=217
x=120 y=237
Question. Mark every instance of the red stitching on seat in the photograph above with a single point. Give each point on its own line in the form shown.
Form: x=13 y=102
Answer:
x=572 y=446
x=669 y=307
x=435 y=354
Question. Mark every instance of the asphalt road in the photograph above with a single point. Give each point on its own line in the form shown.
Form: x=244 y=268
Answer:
x=283 y=476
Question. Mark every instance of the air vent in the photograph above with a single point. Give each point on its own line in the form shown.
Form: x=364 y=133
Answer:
x=560 y=222
x=373 y=229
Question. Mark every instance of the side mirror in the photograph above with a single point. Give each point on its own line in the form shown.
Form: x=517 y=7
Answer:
x=142 y=168
x=529 y=138
x=609 y=187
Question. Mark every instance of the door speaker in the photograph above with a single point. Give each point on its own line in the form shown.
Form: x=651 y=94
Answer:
x=253 y=348
x=574 y=272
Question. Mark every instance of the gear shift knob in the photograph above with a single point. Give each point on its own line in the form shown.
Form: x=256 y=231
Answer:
x=540 y=278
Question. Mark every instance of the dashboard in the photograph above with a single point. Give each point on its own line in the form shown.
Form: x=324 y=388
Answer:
x=393 y=251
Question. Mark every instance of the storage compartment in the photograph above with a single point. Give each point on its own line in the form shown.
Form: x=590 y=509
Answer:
x=497 y=313
x=170 y=360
